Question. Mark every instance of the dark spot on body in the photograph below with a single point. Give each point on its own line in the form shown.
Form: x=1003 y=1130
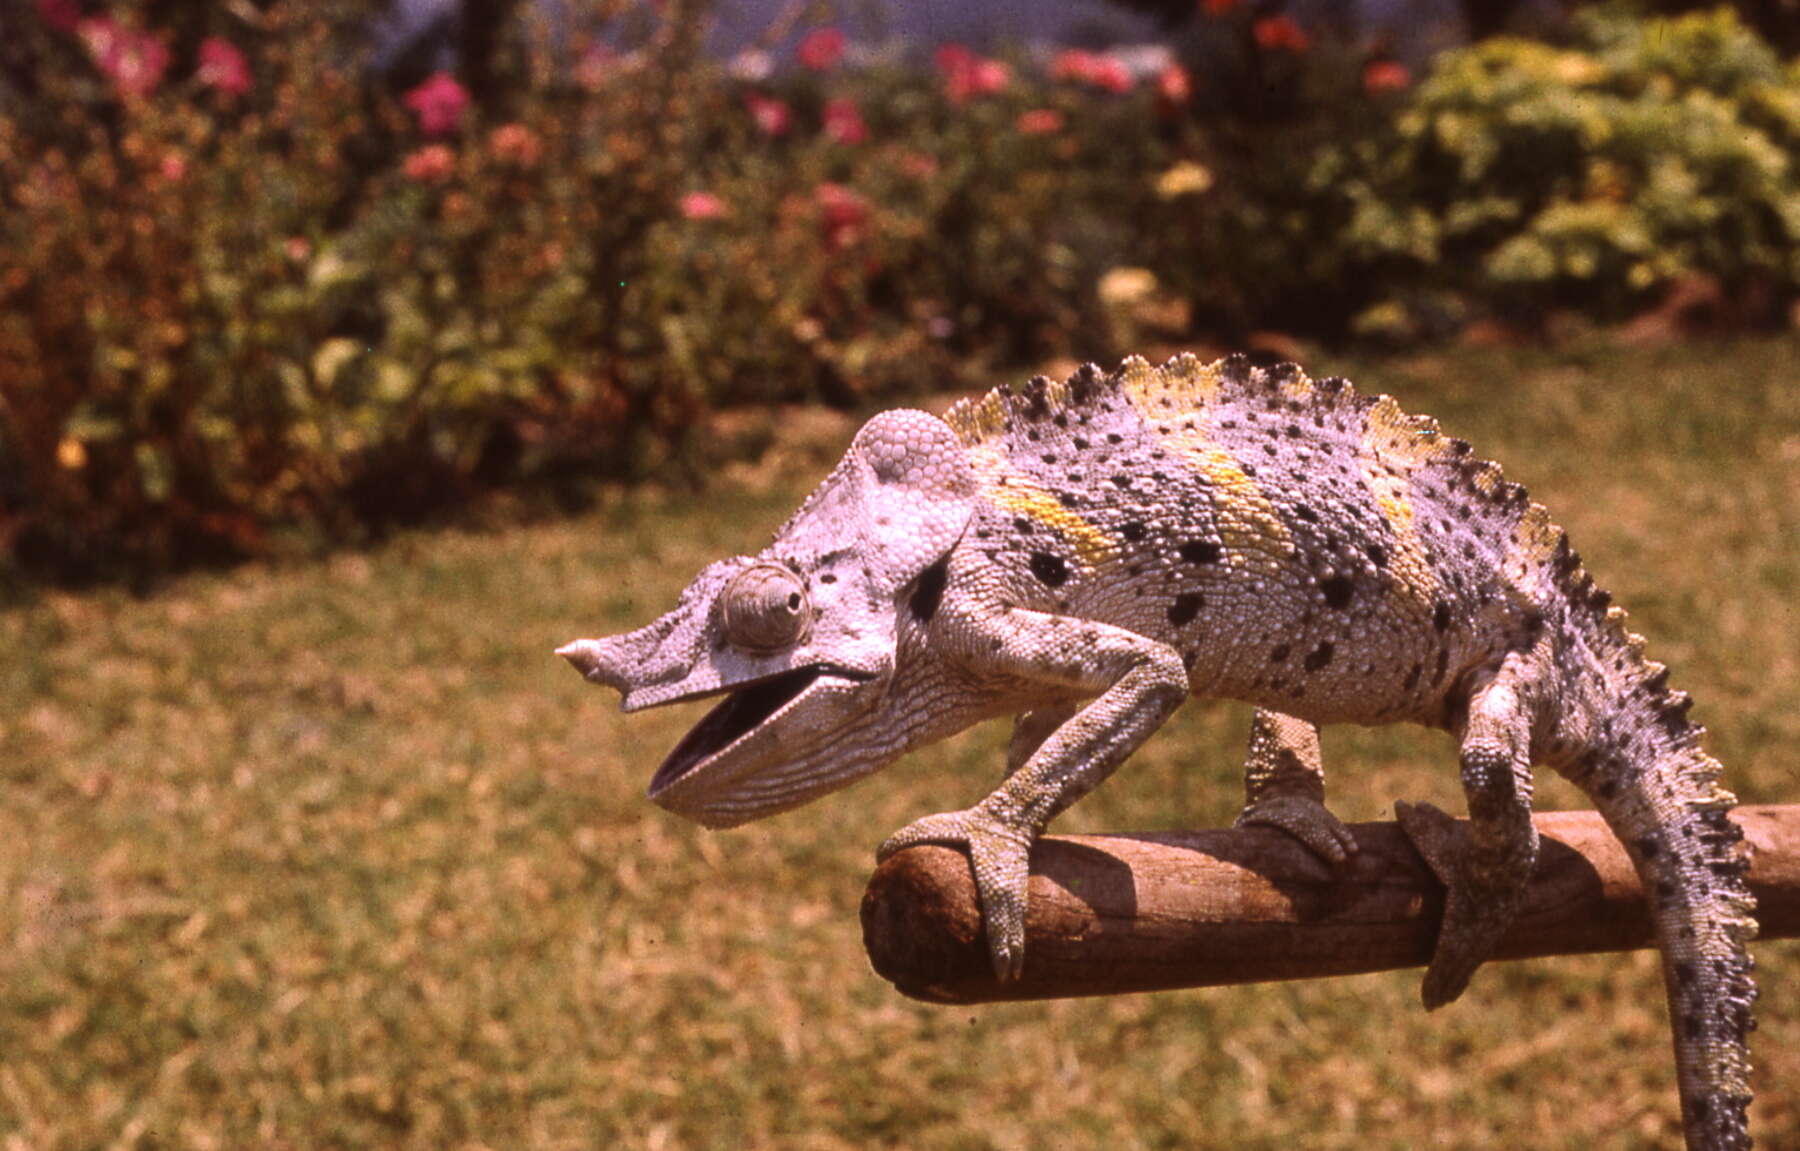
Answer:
x=1318 y=657
x=1022 y=524
x=1122 y=480
x=1648 y=847
x=928 y=590
x=1377 y=555
x=1068 y=499
x=1132 y=531
x=1440 y=616
x=1051 y=570
x=1279 y=652
x=1200 y=552
x=1337 y=591
x=1412 y=676
x=1187 y=605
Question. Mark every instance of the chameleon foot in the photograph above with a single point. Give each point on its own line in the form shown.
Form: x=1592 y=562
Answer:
x=999 y=854
x=1308 y=821
x=1478 y=908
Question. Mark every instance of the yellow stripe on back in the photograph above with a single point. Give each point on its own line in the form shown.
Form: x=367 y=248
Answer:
x=1023 y=496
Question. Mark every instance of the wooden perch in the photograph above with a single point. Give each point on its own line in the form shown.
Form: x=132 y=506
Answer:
x=1117 y=913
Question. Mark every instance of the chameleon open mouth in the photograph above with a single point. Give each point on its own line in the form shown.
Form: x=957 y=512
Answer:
x=740 y=713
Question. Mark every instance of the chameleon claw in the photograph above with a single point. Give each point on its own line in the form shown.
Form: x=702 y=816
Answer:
x=1477 y=911
x=1308 y=821
x=999 y=856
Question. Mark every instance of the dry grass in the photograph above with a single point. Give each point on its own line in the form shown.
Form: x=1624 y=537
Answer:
x=341 y=856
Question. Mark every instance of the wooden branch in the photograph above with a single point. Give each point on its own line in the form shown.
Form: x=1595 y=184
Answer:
x=1116 y=913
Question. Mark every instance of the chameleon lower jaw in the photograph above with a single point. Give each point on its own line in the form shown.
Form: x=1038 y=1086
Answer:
x=740 y=713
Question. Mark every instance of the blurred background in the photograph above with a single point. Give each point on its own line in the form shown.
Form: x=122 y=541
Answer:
x=355 y=354
x=311 y=270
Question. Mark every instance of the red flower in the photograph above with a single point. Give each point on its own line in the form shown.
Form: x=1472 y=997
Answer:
x=703 y=206
x=515 y=144
x=1040 y=122
x=952 y=59
x=1217 y=7
x=1107 y=73
x=844 y=123
x=595 y=66
x=1280 y=34
x=966 y=74
x=1385 y=76
x=771 y=116
x=432 y=164
x=439 y=103
x=1072 y=64
x=133 y=61
x=223 y=67
x=821 y=49
x=1174 y=86
x=62 y=15
x=842 y=213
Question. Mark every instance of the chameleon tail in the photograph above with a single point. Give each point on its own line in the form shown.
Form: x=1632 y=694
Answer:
x=1659 y=793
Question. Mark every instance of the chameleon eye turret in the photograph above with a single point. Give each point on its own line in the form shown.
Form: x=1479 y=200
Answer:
x=766 y=609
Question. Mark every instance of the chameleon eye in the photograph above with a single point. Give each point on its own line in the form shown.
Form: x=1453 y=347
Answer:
x=766 y=608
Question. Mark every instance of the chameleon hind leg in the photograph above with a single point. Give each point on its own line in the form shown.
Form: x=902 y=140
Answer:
x=1486 y=864
x=1284 y=786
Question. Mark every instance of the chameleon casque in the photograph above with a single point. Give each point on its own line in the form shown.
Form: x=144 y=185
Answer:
x=1084 y=555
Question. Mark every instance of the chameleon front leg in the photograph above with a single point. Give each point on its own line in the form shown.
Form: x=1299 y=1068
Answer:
x=1135 y=683
x=1284 y=786
x=1032 y=728
x=1486 y=865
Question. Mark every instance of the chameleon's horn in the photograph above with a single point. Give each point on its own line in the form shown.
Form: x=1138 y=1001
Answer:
x=598 y=660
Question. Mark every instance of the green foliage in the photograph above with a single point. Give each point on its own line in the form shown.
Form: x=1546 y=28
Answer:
x=242 y=299
x=1531 y=176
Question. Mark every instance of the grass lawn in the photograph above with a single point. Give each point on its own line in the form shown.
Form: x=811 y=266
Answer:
x=339 y=855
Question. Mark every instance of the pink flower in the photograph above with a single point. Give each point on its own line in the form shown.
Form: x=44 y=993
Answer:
x=771 y=116
x=515 y=144
x=62 y=15
x=966 y=74
x=844 y=123
x=1174 y=86
x=172 y=167
x=953 y=58
x=439 y=103
x=1385 y=76
x=842 y=213
x=133 y=61
x=1280 y=34
x=1107 y=73
x=1040 y=122
x=223 y=67
x=703 y=206
x=432 y=164
x=821 y=49
x=296 y=248
x=595 y=66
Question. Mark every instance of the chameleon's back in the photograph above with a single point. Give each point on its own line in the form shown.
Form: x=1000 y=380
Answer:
x=1304 y=547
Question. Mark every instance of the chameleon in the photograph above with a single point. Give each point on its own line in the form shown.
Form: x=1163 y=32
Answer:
x=1085 y=554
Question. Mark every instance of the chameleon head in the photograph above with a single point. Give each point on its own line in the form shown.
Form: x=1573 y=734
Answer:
x=803 y=639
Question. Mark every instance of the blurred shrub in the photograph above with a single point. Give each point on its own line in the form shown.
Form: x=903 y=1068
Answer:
x=1527 y=177
x=246 y=290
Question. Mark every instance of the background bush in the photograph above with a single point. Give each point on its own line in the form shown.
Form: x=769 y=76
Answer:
x=246 y=291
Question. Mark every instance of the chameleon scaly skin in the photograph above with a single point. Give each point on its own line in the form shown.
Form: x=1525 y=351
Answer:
x=1086 y=554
